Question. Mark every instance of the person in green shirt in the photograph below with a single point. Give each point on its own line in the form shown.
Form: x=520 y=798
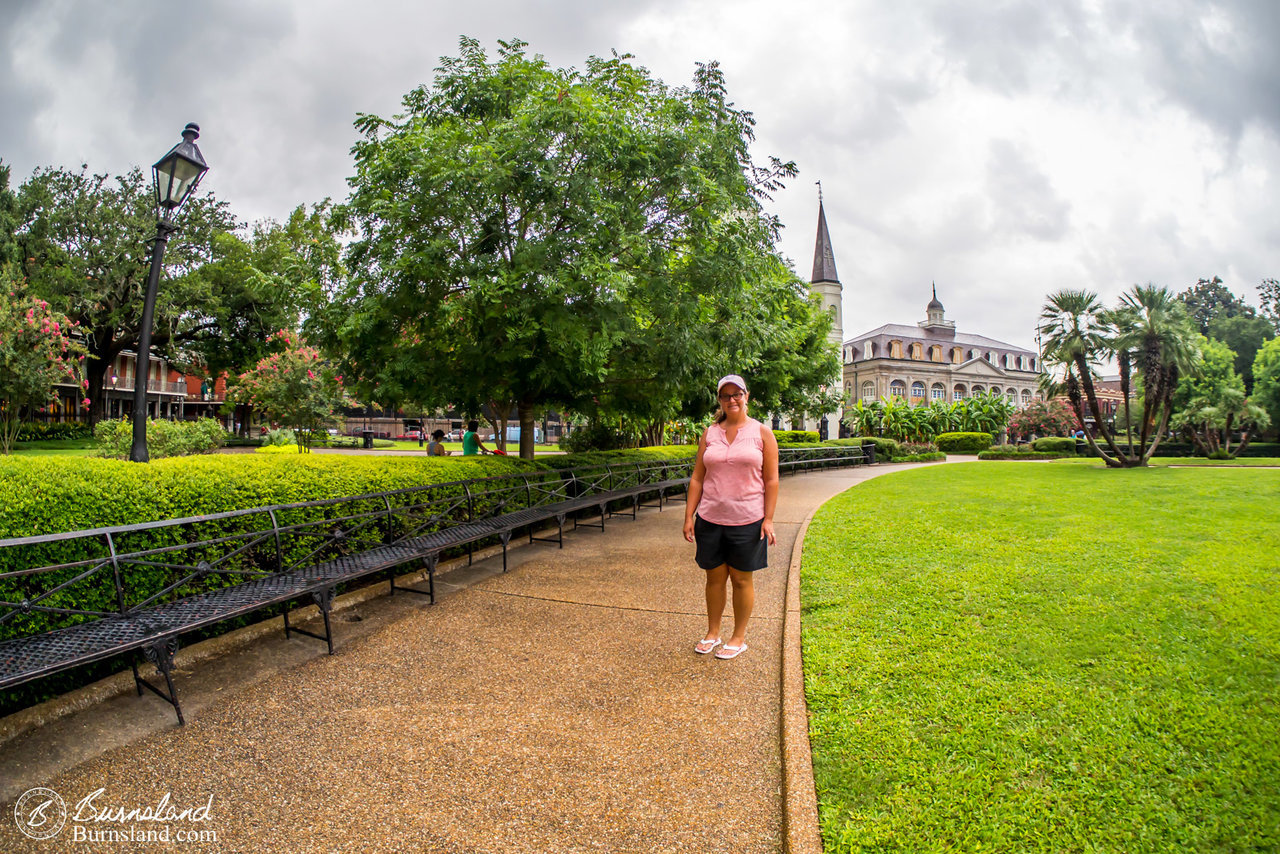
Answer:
x=471 y=444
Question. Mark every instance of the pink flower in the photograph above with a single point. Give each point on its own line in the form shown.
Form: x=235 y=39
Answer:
x=87 y=403
x=310 y=375
x=85 y=383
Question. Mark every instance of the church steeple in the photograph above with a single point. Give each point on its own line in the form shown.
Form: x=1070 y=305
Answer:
x=824 y=259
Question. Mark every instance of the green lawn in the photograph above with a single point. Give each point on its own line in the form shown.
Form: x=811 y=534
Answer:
x=56 y=447
x=1052 y=657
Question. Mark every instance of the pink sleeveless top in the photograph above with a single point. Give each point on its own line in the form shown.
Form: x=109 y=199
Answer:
x=733 y=490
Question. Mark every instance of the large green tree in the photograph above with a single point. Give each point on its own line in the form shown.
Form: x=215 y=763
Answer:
x=1210 y=299
x=1212 y=407
x=1269 y=299
x=531 y=236
x=86 y=247
x=8 y=219
x=1266 y=380
x=38 y=349
x=85 y=242
x=1244 y=334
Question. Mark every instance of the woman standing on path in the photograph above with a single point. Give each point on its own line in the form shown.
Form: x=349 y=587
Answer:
x=733 y=490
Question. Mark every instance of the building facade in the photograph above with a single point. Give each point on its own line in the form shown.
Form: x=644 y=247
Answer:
x=933 y=361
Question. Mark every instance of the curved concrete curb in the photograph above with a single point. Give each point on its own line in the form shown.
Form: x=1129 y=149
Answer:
x=800 y=833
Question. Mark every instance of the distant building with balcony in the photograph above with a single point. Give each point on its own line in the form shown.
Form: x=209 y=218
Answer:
x=170 y=393
x=932 y=361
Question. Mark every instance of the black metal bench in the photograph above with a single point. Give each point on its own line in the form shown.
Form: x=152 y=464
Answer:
x=136 y=589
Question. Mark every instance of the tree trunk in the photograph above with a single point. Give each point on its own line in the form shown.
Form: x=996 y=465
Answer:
x=526 y=413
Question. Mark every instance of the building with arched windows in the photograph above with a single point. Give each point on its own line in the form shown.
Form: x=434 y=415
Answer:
x=932 y=361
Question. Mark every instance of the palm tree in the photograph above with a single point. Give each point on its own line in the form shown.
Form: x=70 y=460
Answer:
x=1076 y=332
x=1152 y=325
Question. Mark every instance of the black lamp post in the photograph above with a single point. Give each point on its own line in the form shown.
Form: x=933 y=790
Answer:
x=175 y=177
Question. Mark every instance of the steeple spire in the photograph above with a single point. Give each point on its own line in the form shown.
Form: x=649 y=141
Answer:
x=824 y=260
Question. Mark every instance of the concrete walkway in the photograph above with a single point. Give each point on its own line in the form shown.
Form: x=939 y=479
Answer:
x=557 y=708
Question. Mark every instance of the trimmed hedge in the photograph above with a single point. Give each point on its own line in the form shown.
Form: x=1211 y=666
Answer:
x=1008 y=452
x=793 y=436
x=962 y=443
x=164 y=438
x=924 y=457
x=1065 y=445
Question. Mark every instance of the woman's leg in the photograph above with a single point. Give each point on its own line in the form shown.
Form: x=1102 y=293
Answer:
x=716 y=579
x=744 y=600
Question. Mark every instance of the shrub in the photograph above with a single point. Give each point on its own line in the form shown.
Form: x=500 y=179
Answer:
x=1012 y=452
x=912 y=449
x=1056 y=444
x=796 y=435
x=164 y=438
x=281 y=436
x=922 y=457
x=37 y=432
x=963 y=443
x=596 y=436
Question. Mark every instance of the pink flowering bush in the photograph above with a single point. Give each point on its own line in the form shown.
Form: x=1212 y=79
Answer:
x=37 y=349
x=1044 y=418
x=295 y=387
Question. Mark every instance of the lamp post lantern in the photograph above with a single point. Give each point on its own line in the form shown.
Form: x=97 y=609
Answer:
x=175 y=177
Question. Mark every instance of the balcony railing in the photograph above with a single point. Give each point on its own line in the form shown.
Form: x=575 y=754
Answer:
x=126 y=384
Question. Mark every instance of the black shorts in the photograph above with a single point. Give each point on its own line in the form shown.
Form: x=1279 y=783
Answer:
x=740 y=546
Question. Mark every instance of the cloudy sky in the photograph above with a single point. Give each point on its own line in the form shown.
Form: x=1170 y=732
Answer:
x=1002 y=148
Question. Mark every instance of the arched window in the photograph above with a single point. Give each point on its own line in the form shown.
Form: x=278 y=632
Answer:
x=995 y=389
x=1026 y=396
x=895 y=349
x=979 y=390
x=938 y=392
x=935 y=353
x=959 y=392
x=898 y=388
x=1012 y=394
x=917 y=391
x=868 y=392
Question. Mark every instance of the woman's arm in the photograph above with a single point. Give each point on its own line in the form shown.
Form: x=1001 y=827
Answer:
x=770 y=475
x=695 y=488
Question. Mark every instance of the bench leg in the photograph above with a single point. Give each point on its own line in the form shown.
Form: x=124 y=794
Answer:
x=430 y=562
x=324 y=601
x=161 y=655
x=506 y=538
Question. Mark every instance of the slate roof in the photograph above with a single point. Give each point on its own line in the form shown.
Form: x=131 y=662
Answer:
x=915 y=333
x=824 y=259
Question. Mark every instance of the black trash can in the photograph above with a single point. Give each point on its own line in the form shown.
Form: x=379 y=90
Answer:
x=367 y=435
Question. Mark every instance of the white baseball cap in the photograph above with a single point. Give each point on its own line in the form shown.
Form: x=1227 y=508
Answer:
x=731 y=378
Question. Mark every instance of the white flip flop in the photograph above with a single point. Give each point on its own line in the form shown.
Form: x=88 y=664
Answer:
x=714 y=643
x=729 y=652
